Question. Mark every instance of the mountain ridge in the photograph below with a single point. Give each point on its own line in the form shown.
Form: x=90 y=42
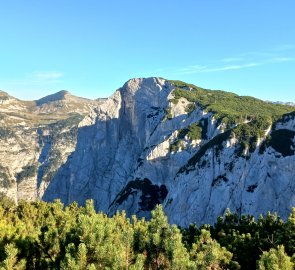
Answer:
x=60 y=95
x=155 y=140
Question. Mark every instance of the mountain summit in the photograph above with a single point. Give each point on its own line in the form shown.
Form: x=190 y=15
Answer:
x=64 y=101
x=3 y=94
x=194 y=150
x=61 y=95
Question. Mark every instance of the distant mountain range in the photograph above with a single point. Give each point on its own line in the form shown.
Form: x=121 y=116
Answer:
x=194 y=150
x=284 y=103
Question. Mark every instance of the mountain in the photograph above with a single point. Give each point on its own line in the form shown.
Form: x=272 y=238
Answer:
x=64 y=101
x=196 y=151
x=285 y=103
x=36 y=138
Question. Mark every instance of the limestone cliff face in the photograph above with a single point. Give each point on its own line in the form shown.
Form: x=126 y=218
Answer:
x=197 y=152
x=143 y=146
x=110 y=144
x=36 y=138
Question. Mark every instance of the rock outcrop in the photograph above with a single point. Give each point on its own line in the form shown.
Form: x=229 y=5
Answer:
x=138 y=149
x=36 y=138
x=196 y=151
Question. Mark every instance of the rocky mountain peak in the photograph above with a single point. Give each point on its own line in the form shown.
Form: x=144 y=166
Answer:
x=64 y=102
x=61 y=95
x=145 y=93
x=3 y=94
x=155 y=141
x=5 y=98
x=135 y=84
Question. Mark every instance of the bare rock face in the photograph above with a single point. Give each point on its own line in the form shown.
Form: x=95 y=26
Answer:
x=154 y=141
x=143 y=147
x=36 y=138
x=110 y=144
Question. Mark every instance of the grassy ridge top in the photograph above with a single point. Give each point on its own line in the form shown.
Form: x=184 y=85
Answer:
x=245 y=118
x=229 y=107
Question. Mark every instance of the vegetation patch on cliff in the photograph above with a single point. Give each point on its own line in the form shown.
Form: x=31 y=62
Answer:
x=27 y=172
x=287 y=117
x=248 y=134
x=6 y=133
x=151 y=195
x=5 y=179
x=69 y=124
x=217 y=143
x=196 y=131
x=281 y=140
x=229 y=107
x=219 y=180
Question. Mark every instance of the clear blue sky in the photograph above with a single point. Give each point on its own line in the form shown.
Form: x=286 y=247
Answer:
x=91 y=47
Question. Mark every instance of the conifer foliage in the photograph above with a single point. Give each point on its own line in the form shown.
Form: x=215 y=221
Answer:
x=40 y=235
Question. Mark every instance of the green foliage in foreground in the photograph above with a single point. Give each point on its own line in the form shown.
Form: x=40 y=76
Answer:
x=39 y=235
x=248 y=239
x=275 y=259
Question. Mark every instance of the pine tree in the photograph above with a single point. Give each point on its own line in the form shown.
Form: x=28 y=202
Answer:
x=289 y=237
x=206 y=253
x=275 y=259
x=11 y=262
x=163 y=244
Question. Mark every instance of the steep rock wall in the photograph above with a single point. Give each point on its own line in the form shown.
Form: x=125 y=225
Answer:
x=143 y=147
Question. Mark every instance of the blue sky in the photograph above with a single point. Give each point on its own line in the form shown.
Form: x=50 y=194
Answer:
x=92 y=47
